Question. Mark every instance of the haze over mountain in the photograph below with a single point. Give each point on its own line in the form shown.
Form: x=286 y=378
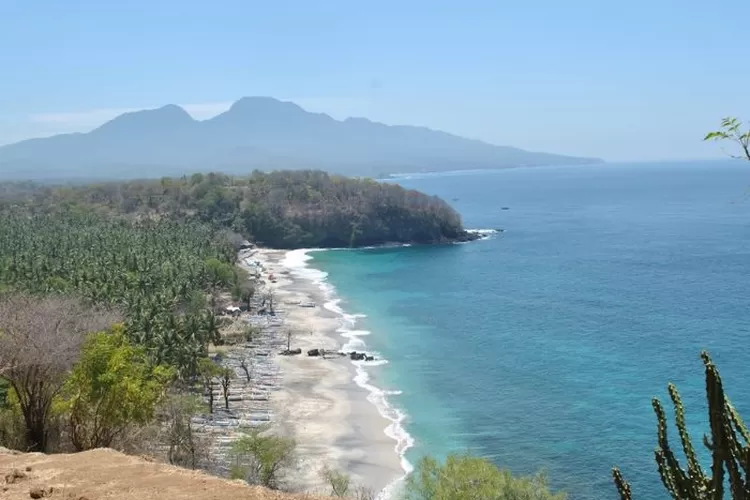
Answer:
x=255 y=133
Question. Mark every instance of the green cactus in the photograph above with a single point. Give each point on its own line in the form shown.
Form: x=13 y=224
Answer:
x=729 y=445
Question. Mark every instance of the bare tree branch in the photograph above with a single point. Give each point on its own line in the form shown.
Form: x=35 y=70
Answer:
x=40 y=340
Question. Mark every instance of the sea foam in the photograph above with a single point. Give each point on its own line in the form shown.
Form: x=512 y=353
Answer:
x=297 y=263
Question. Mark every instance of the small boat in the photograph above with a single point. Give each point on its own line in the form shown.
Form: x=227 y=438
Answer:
x=307 y=304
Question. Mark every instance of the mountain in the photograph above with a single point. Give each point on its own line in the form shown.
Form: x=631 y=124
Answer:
x=255 y=133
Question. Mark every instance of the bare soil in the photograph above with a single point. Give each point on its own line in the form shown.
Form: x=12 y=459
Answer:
x=107 y=474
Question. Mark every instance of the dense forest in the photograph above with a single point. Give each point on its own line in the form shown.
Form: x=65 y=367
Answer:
x=155 y=272
x=281 y=209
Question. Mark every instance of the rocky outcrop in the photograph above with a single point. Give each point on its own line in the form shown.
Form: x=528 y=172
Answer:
x=360 y=356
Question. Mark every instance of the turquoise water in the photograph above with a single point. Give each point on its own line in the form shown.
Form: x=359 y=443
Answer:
x=542 y=347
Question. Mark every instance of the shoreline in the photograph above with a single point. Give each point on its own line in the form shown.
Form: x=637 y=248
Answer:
x=327 y=405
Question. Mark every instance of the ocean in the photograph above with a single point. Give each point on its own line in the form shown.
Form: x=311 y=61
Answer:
x=541 y=347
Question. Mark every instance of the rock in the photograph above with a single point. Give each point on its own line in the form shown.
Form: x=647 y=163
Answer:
x=15 y=476
x=359 y=356
x=465 y=236
x=313 y=352
x=292 y=352
x=38 y=492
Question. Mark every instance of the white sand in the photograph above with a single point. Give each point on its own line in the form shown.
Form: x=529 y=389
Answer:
x=318 y=403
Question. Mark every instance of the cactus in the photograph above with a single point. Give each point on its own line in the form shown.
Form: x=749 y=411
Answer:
x=729 y=445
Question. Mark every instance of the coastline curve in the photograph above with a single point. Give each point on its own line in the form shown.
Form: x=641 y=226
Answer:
x=297 y=262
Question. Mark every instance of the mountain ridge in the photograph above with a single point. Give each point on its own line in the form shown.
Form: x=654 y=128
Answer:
x=255 y=133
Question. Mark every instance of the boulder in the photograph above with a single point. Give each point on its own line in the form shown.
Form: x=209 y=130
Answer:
x=313 y=352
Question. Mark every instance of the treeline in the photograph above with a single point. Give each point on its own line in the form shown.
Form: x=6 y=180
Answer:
x=284 y=209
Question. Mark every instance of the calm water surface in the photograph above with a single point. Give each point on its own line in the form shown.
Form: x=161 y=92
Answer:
x=541 y=348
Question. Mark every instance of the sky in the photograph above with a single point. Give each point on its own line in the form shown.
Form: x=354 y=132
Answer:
x=625 y=81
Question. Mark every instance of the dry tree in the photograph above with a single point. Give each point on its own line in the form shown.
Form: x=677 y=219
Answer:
x=40 y=341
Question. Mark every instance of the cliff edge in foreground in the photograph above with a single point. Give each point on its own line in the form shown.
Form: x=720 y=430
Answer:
x=104 y=473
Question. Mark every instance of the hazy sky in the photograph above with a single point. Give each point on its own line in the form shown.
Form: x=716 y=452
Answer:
x=620 y=80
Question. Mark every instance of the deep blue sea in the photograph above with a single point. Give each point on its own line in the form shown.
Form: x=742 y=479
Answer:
x=541 y=347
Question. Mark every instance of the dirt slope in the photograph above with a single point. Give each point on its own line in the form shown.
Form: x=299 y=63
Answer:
x=107 y=474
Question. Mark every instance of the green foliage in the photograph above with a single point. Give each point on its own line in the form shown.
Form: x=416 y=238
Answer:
x=154 y=270
x=208 y=371
x=237 y=472
x=262 y=458
x=12 y=425
x=4 y=388
x=195 y=303
x=729 y=446
x=111 y=388
x=243 y=288
x=339 y=482
x=288 y=209
x=472 y=478
x=731 y=130
x=220 y=273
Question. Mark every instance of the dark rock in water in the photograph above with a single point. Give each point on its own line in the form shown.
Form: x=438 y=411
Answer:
x=291 y=352
x=369 y=358
x=313 y=352
x=467 y=236
x=360 y=356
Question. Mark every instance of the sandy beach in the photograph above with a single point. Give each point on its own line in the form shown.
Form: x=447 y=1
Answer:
x=317 y=402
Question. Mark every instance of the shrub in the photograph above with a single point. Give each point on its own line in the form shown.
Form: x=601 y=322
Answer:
x=111 y=388
x=472 y=478
x=262 y=458
x=337 y=480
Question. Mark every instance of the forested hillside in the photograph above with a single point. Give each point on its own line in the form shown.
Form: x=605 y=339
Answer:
x=281 y=209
